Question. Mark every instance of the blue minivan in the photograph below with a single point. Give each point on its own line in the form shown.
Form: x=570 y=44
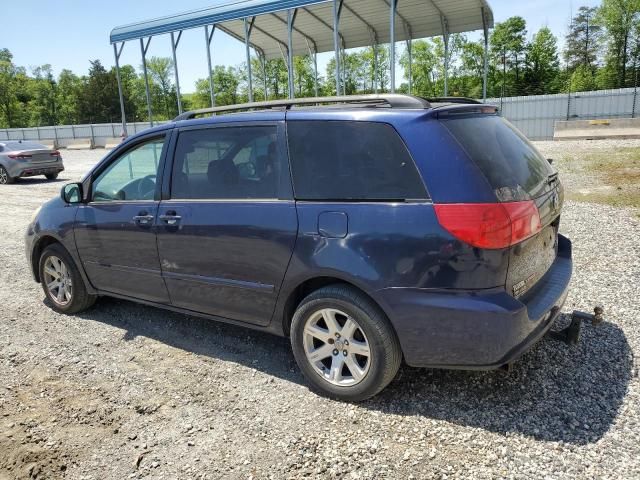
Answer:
x=368 y=229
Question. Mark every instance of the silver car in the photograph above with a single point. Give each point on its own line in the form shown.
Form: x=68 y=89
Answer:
x=20 y=158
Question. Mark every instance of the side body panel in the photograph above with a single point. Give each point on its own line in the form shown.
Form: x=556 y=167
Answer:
x=228 y=257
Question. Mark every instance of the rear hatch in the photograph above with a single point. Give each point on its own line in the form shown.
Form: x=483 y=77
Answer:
x=516 y=172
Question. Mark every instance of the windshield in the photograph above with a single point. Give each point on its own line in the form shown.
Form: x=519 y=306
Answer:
x=513 y=167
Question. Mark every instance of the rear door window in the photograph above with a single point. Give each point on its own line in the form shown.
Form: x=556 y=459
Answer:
x=227 y=163
x=513 y=167
x=351 y=161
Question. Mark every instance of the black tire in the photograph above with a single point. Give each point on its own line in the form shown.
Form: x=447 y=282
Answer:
x=5 y=178
x=386 y=354
x=80 y=299
x=51 y=176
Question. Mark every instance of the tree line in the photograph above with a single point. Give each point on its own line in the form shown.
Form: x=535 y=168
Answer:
x=602 y=50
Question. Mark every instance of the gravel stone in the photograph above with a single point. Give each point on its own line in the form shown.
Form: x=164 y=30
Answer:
x=218 y=401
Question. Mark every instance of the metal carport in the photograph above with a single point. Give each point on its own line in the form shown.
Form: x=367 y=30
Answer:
x=286 y=28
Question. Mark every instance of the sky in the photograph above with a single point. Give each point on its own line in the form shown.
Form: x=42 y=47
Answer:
x=69 y=33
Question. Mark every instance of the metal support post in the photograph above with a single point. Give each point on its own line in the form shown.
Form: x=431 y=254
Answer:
x=263 y=60
x=337 y=9
x=445 y=38
x=117 y=53
x=174 y=45
x=248 y=26
x=392 y=44
x=209 y=37
x=314 y=56
x=143 y=49
x=485 y=67
x=409 y=51
x=291 y=18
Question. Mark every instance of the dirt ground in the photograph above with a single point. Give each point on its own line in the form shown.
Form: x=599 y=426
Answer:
x=129 y=391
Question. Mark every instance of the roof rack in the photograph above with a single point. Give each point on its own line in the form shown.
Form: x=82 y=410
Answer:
x=453 y=100
x=390 y=100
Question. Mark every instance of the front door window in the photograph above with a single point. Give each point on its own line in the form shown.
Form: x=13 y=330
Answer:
x=132 y=176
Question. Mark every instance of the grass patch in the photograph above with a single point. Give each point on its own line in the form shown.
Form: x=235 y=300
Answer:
x=615 y=178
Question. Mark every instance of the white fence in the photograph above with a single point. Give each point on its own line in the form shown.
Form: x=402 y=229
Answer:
x=64 y=135
x=534 y=115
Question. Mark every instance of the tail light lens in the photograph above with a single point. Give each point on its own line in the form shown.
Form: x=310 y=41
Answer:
x=19 y=156
x=55 y=153
x=490 y=225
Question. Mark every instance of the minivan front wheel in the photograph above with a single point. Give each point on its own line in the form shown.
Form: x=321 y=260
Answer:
x=61 y=281
x=344 y=344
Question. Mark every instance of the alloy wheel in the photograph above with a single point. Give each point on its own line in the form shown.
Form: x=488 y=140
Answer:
x=4 y=176
x=336 y=347
x=57 y=278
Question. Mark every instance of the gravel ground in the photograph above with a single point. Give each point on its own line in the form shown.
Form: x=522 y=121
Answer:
x=128 y=391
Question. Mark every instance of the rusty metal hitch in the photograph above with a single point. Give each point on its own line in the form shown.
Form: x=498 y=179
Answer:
x=571 y=334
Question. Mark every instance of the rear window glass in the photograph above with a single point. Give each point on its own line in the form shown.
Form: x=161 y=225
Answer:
x=348 y=160
x=15 y=146
x=513 y=167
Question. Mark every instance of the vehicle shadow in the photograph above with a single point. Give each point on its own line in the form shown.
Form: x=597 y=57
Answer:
x=37 y=180
x=555 y=392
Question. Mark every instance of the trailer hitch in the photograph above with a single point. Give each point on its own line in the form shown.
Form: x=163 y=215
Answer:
x=571 y=334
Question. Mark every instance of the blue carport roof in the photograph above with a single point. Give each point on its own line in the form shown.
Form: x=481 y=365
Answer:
x=361 y=22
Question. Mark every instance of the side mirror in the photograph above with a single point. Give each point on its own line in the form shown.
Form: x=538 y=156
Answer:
x=71 y=193
x=550 y=160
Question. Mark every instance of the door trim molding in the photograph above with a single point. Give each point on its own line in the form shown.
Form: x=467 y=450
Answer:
x=222 y=282
x=124 y=268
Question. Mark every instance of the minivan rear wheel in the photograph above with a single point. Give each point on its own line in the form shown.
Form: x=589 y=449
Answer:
x=51 y=176
x=344 y=344
x=61 y=281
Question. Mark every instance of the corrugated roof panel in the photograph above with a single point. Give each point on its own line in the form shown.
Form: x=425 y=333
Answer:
x=314 y=22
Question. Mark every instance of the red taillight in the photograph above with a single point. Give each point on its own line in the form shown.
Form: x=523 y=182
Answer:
x=490 y=225
x=55 y=153
x=19 y=156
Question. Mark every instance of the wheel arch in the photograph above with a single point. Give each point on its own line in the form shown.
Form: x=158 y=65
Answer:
x=309 y=285
x=36 y=252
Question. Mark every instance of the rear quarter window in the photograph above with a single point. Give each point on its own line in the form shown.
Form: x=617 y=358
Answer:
x=351 y=160
x=513 y=167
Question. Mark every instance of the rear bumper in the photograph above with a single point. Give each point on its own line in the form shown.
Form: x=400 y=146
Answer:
x=477 y=329
x=30 y=170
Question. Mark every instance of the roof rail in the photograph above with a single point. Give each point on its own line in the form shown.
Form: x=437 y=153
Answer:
x=453 y=100
x=391 y=100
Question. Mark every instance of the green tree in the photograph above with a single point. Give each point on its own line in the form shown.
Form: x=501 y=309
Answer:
x=542 y=64
x=471 y=69
x=13 y=94
x=43 y=107
x=423 y=69
x=226 y=81
x=583 y=40
x=620 y=18
x=98 y=100
x=582 y=79
x=508 y=45
x=163 y=91
x=68 y=93
x=304 y=78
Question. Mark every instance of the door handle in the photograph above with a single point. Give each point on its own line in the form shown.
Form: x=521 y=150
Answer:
x=143 y=219
x=170 y=219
